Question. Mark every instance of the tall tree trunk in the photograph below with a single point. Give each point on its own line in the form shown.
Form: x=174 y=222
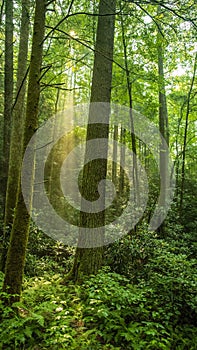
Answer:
x=177 y=160
x=20 y=230
x=163 y=125
x=133 y=138
x=17 y=129
x=185 y=136
x=89 y=260
x=115 y=154
x=8 y=94
x=50 y=167
x=122 y=161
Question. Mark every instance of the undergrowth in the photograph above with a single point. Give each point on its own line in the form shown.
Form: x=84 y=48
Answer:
x=144 y=298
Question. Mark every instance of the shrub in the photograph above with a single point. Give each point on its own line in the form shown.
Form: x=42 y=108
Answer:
x=106 y=312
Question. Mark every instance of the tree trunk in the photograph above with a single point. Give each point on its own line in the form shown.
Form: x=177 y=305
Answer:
x=19 y=235
x=177 y=146
x=115 y=154
x=133 y=138
x=8 y=95
x=89 y=259
x=185 y=136
x=122 y=161
x=163 y=126
x=17 y=129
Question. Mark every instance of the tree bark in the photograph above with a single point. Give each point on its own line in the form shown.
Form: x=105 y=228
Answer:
x=20 y=230
x=185 y=136
x=133 y=138
x=122 y=161
x=8 y=94
x=17 y=129
x=163 y=125
x=115 y=154
x=89 y=260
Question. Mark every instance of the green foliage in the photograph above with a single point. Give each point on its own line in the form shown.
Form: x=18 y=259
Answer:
x=189 y=212
x=137 y=256
x=106 y=312
x=50 y=316
x=148 y=298
x=46 y=256
x=140 y=317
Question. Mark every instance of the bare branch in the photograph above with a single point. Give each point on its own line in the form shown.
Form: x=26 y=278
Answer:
x=58 y=86
x=1 y=11
x=19 y=90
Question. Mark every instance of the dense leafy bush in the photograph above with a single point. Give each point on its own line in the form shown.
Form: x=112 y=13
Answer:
x=139 y=316
x=135 y=256
x=189 y=211
x=45 y=255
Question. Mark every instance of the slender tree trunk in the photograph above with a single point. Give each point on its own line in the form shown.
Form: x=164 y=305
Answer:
x=50 y=168
x=163 y=124
x=177 y=159
x=133 y=138
x=17 y=129
x=89 y=260
x=115 y=154
x=122 y=161
x=185 y=136
x=8 y=93
x=1 y=111
x=19 y=235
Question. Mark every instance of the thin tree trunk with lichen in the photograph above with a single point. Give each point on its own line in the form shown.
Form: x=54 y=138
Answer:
x=15 y=262
x=17 y=129
x=8 y=90
x=89 y=253
x=8 y=101
x=163 y=125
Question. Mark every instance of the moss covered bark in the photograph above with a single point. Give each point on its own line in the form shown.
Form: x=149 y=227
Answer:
x=19 y=235
x=163 y=125
x=17 y=130
x=89 y=254
x=8 y=94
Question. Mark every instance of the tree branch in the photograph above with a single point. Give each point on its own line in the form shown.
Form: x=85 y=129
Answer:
x=1 y=11
x=162 y=4
x=76 y=14
x=19 y=90
x=89 y=47
x=156 y=22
